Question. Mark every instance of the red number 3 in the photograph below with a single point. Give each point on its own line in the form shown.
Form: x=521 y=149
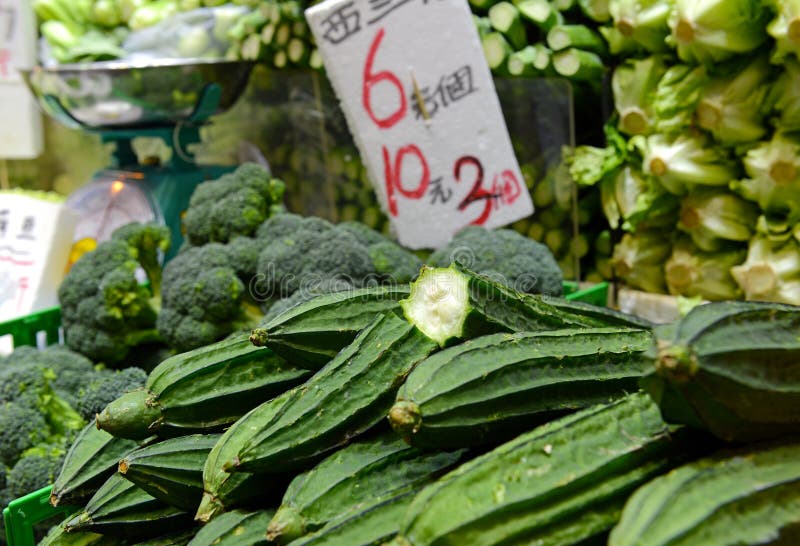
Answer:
x=373 y=78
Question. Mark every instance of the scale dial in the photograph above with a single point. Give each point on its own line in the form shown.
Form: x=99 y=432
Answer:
x=108 y=202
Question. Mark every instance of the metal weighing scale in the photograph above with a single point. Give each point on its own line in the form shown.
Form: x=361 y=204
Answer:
x=168 y=100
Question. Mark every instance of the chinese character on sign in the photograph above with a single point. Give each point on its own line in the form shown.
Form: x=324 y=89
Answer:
x=342 y=23
x=27 y=228
x=459 y=84
x=4 y=222
x=439 y=194
x=450 y=89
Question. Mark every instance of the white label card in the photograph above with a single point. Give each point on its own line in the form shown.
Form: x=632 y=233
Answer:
x=421 y=104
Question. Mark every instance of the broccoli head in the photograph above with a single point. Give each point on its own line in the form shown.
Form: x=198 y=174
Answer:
x=312 y=253
x=105 y=387
x=21 y=427
x=202 y=298
x=235 y=204
x=392 y=262
x=506 y=256
x=36 y=469
x=105 y=311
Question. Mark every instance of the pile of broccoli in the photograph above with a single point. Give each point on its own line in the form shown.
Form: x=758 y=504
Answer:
x=205 y=293
x=198 y=298
x=506 y=256
x=46 y=398
x=242 y=254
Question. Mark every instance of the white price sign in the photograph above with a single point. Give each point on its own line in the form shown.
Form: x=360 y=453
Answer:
x=420 y=102
x=20 y=120
x=9 y=39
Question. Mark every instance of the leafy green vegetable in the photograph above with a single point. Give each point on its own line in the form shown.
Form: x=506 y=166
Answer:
x=691 y=272
x=785 y=28
x=642 y=21
x=732 y=108
x=634 y=84
x=631 y=201
x=714 y=216
x=682 y=162
x=676 y=98
x=773 y=168
x=785 y=99
x=710 y=31
x=771 y=271
x=639 y=260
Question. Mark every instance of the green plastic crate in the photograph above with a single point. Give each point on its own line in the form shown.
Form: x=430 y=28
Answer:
x=24 y=330
x=22 y=514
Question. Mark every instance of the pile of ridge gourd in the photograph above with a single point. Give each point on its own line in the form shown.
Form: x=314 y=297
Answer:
x=454 y=410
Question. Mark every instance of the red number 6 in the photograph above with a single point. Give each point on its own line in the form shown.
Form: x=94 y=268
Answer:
x=371 y=79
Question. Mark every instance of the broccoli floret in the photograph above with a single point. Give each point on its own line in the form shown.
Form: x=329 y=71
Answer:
x=243 y=257
x=107 y=386
x=35 y=469
x=150 y=242
x=21 y=427
x=284 y=225
x=104 y=310
x=72 y=370
x=308 y=257
x=394 y=263
x=365 y=234
x=506 y=256
x=19 y=379
x=235 y=204
x=202 y=298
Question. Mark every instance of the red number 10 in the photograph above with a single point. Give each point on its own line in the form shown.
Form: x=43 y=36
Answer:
x=393 y=174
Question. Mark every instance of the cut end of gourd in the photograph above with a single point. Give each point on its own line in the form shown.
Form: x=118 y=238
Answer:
x=131 y=416
x=54 y=498
x=122 y=467
x=676 y=362
x=634 y=122
x=209 y=508
x=684 y=31
x=709 y=115
x=287 y=525
x=258 y=337
x=398 y=541
x=439 y=303
x=405 y=418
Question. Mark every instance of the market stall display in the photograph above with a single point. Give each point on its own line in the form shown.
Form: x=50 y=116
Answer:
x=273 y=367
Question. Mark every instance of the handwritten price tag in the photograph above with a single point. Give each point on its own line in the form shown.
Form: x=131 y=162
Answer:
x=8 y=29
x=420 y=102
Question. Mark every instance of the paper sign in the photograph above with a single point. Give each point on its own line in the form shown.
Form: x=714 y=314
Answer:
x=419 y=99
x=35 y=239
x=20 y=120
